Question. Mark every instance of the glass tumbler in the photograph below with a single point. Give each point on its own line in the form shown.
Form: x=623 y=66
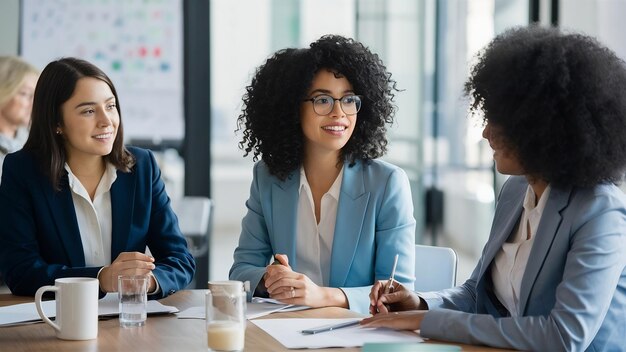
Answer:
x=225 y=320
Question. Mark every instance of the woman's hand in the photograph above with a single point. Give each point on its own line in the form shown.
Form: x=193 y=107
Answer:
x=291 y=287
x=127 y=263
x=410 y=320
x=399 y=298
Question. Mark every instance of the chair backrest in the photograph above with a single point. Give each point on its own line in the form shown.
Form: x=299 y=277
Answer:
x=194 y=220
x=435 y=268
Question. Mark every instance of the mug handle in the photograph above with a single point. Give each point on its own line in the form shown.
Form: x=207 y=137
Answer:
x=38 y=295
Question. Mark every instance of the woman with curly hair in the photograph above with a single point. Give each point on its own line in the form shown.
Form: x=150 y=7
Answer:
x=317 y=119
x=552 y=274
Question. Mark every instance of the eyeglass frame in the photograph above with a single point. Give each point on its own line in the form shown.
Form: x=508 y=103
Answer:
x=312 y=100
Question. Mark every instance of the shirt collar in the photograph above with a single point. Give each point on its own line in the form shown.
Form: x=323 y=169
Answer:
x=333 y=191
x=529 y=200
x=109 y=176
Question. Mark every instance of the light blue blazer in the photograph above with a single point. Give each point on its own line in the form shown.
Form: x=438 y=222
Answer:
x=374 y=222
x=573 y=292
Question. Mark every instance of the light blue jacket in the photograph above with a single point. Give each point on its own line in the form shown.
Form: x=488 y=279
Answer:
x=573 y=292
x=374 y=222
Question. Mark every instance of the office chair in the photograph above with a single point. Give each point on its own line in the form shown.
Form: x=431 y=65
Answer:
x=435 y=268
x=194 y=220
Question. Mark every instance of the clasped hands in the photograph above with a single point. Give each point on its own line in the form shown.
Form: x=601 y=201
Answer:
x=399 y=309
x=127 y=263
x=288 y=286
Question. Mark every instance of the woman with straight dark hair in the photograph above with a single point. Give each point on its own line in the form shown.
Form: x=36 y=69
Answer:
x=76 y=202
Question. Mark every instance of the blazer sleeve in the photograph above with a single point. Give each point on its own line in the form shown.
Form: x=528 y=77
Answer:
x=394 y=234
x=254 y=249
x=174 y=265
x=26 y=263
x=593 y=267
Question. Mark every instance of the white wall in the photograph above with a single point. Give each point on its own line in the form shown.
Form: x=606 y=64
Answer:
x=9 y=26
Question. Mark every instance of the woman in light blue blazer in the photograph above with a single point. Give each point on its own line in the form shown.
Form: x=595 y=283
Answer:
x=552 y=274
x=320 y=205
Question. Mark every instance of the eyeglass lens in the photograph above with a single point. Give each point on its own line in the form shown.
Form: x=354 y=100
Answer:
x=324 y=104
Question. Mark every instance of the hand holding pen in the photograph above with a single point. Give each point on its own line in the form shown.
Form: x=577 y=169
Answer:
x=390 y=295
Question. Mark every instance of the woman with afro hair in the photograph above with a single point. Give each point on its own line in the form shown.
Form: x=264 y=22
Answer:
x=552 y=275
x=320 y=203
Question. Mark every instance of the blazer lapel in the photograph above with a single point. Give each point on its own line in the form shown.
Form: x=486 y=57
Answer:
x=503 y=226
x=62 y=208
x=122 y=199
x=353 y=200
x=284 y=214
x=546 y=232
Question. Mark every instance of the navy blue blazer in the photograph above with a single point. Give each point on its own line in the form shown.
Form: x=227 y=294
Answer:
x=39 y=236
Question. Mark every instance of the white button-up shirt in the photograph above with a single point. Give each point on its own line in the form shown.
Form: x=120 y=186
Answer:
x=94 y=217
x=314 y=242
x=510 y=262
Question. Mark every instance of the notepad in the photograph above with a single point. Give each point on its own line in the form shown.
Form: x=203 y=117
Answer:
x=108 y=306
x=289 y=333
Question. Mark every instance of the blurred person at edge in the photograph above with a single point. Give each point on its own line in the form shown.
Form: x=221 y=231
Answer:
x=17 y=86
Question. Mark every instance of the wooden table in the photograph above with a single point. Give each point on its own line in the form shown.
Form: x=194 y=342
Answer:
x=161 y=333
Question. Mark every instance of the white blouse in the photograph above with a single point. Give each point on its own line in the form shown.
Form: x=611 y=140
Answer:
x=94 y=217
x=510 y=262
x=314 y=242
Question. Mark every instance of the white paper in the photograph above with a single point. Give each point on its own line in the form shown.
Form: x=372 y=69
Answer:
x=288 y=332
x=107 y=306
x=253 y=310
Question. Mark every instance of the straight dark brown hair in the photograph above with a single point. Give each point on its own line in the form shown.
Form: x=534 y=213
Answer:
x=54 y=87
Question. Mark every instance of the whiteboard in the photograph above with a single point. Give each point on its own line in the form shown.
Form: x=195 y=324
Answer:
x=137 y=43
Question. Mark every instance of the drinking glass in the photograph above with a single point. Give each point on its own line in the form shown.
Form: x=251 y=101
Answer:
x=225 y=319
x=133 y=300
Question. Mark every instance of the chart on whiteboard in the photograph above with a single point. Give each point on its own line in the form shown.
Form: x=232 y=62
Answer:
x=137 y=43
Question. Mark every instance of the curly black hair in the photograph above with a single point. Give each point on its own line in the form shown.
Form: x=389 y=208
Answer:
x=270 y=117
x=559 y=102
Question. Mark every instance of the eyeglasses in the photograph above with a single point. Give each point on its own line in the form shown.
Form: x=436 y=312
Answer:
x=323 y=104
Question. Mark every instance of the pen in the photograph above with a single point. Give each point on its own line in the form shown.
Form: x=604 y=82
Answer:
x=330 y=327
x=276 y=262
x=393 y=273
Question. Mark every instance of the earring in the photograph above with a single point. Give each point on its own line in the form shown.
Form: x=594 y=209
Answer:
x=58 y=131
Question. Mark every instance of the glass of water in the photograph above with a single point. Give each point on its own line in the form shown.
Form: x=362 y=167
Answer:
x=133 y=297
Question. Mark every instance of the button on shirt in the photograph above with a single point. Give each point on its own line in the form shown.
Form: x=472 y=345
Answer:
x=314 y=242
x=510 y=262
x=94 y=217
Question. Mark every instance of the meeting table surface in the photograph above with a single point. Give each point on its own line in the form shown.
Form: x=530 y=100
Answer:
x=161 y=332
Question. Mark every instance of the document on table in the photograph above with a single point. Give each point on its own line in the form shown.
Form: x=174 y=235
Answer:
x=289 y=333
x=256 y=308
x=107 y=306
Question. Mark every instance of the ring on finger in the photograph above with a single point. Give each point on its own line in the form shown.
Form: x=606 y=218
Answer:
x=293 y=292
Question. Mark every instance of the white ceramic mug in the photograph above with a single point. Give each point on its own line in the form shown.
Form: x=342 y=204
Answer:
x=76 y=307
